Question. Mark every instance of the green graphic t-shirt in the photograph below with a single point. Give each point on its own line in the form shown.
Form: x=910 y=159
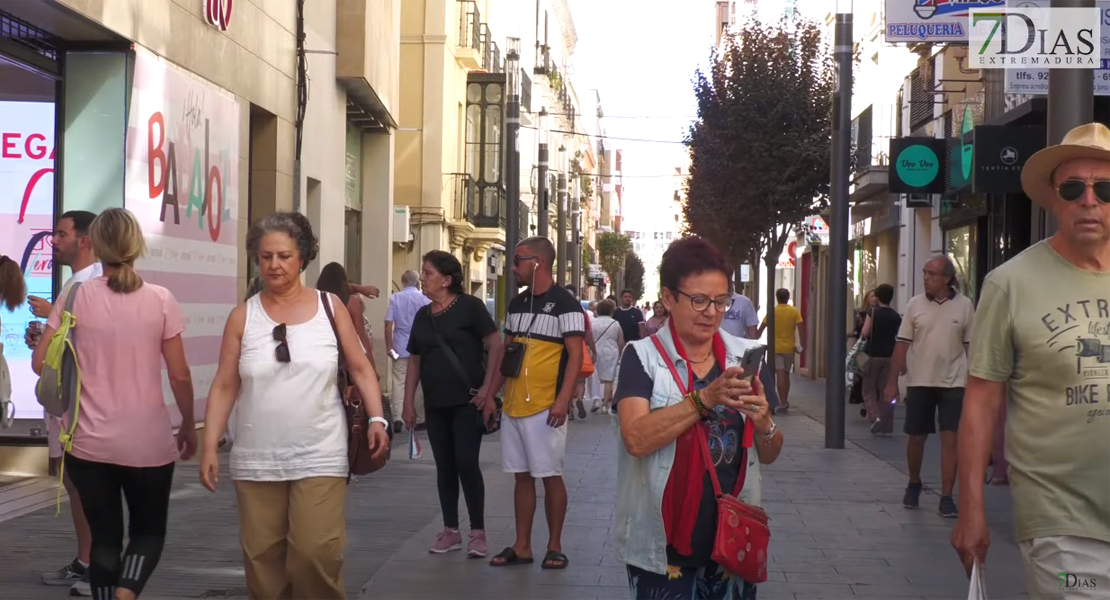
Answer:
x=1043 y=326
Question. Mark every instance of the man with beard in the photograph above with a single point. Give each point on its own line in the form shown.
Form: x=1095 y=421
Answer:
x=72 y=248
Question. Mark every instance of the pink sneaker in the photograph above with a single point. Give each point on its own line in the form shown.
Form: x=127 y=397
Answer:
x=446 y=541
x=477 y=546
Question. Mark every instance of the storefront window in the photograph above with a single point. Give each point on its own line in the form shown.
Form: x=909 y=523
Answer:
x=960 y=245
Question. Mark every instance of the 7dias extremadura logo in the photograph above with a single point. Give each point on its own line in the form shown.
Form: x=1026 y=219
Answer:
x=1030 y=37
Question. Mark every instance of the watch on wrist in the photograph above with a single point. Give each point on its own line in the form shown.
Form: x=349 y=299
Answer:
x=771 y=432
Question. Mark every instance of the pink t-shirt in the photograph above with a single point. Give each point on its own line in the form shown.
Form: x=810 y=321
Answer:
x=123 y=416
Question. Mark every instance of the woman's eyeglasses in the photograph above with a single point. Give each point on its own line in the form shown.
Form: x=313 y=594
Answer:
x=1073 y=189
x=701 y=302
x=282 y=350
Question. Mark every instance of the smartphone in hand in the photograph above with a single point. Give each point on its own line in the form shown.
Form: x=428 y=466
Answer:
x=751 y=360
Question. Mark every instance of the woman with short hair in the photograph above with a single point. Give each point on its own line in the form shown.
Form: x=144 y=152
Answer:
x=454 y=351
x=278 y=367
x=609 y=341
x=689 y=420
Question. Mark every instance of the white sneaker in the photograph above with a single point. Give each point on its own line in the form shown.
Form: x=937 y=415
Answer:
x=81 y=588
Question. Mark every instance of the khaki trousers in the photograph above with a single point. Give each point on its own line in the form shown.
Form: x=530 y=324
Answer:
x=293 y=534
x=397 y=391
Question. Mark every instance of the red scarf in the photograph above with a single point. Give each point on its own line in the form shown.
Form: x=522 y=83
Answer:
x=683 y=494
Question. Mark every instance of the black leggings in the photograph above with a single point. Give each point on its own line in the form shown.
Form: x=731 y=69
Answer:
x=147 y=491
x=455 y=435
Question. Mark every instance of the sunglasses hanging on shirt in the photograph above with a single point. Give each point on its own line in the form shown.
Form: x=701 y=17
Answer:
x=282 y=350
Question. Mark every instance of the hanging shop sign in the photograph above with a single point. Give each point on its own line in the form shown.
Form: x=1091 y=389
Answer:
x=916 y=21
x=182 y=184
x=218 y=13
x=916 y=165
x=1000 y=152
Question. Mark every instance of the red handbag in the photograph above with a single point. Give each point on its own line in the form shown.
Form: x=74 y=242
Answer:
x=743 y=534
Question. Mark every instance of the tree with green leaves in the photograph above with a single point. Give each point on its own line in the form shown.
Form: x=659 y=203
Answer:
x=613 y=247
x=760 y=146
x=634 y=276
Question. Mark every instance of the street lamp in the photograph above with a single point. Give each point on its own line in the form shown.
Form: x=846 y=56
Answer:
x=541 y=179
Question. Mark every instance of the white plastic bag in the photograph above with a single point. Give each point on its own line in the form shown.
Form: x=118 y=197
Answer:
x=978 y=589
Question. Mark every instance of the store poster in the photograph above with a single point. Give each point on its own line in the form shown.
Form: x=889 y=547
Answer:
x=182 y=183
x=26 y=224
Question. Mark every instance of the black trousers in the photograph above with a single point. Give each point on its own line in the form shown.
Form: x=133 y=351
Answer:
x=455 y=435
x=147 y=492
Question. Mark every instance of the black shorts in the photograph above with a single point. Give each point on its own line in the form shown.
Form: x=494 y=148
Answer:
x=927 y=405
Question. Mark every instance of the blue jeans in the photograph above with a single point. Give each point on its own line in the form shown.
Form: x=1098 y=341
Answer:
x=770 y=387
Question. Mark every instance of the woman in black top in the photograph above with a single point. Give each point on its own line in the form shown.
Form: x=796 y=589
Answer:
x=881 y=331
x=448 y=346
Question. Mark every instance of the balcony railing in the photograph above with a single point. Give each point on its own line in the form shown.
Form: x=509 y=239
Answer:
x=465 y=194
x=491 y=54
x=470 y=25
x=871 y=133
x=481 y=206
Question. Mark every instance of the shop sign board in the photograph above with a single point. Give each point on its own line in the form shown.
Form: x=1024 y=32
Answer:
x=917 y=165
x=918 y=21
x=1000 y=153
x=218 y=13
x=1034 y=81
x=26 y=225
x=182 y=183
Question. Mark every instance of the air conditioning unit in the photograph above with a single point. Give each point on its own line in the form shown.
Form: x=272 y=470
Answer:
x=402 y=224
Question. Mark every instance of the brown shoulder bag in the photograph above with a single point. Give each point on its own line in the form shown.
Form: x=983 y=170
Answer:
x=360 y=459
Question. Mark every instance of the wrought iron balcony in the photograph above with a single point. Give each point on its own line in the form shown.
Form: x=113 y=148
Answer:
x=470 y=35
x=491 y=54
x=482 y=206
x=870 y=159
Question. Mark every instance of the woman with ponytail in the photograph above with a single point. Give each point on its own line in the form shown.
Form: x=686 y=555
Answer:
x=123 y=440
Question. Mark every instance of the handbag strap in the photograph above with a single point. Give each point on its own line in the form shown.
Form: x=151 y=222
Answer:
x=451 y=356
x=683 y=387
x=338 y=343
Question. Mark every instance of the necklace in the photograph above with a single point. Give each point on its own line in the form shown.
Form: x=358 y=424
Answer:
x=698 y=362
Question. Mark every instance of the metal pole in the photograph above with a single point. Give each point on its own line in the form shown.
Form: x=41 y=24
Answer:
x=1071 y=103
x=576 y=246
x=541 y=192
x=561 y=225
x=837 y=346
x=512 y=183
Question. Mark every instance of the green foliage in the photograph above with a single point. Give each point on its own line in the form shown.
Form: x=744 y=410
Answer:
x=587 y=258
x=613 y=247
x=634 y=276
x=760 y=147
x=586 y=181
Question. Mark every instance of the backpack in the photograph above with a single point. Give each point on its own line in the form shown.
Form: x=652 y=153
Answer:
x=59 y=385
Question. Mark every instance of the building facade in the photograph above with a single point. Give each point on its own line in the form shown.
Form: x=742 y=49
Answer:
x=189 y=113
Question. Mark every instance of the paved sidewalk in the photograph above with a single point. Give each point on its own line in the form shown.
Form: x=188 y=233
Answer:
x=838 y=528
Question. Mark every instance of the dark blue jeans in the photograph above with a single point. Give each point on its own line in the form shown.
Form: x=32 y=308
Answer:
x=770 y=387
x=688 y=583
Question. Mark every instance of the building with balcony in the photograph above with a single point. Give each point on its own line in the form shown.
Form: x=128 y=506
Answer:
x=449 y=178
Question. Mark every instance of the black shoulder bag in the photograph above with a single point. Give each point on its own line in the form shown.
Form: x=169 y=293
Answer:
x=461 y=372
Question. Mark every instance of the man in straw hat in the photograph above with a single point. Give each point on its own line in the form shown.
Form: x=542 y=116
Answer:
x=1042 y=333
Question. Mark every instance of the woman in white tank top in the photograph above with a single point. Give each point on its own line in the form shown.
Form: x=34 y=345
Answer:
x=278 y=368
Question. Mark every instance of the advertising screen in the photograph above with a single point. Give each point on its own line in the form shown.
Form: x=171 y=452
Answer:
x=26 y=223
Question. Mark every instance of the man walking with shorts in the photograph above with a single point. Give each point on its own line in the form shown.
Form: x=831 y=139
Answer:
x=1040 y=334
x=932 y=352
x=544 y=331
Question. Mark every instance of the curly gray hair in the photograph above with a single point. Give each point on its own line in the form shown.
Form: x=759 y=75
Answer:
x=293 y=224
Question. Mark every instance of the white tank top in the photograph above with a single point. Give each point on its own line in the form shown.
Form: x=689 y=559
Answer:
x=289 y=422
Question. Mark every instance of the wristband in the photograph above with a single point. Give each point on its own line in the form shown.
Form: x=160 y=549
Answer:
x=695 y=399
x=379 y=420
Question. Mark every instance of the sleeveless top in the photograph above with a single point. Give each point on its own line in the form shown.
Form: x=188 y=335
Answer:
x=289 y=422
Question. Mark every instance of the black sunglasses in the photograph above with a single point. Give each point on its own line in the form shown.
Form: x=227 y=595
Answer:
x=523 y=258
x=282 y=350
x=1073 y=189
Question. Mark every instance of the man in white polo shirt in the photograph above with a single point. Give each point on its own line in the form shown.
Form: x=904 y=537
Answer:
x=72 y=248
x=932 y=353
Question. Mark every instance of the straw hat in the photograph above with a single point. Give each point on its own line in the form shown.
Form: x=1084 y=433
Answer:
x=1086 y=141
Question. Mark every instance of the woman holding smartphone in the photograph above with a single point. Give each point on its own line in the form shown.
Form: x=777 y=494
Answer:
x=448 y=348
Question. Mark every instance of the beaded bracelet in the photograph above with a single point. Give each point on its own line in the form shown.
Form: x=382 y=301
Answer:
x=695 y=399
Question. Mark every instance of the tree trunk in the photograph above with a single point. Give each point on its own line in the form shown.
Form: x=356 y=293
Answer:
x=770 y=262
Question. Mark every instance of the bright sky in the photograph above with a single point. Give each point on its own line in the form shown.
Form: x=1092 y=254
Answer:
x=641 y=58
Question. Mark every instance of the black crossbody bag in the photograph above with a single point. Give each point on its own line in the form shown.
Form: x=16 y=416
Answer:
x=513 y=360
x=456 y=364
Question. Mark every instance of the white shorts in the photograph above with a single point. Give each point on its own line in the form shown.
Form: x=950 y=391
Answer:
x=530 y=445
x=1081 y=561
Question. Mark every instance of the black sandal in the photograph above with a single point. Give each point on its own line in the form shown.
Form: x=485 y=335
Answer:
x=508 y=558
x=555 y=560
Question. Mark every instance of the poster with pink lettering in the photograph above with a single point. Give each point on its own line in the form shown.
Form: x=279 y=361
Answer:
x=182 y=183
x=26 y=222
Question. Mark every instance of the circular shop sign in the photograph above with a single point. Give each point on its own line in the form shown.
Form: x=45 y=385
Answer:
x=918 y=166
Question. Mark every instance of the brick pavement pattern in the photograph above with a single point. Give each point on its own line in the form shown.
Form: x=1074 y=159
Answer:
x=838 y=529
